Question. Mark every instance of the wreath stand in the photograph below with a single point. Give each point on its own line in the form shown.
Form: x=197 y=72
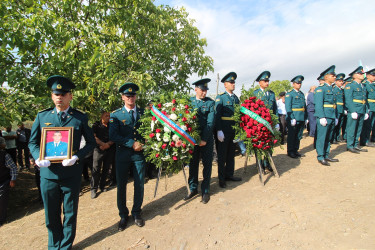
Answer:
x=259 y=166
x=158 y=179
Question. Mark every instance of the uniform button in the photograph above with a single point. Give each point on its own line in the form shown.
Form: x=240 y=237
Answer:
x=134 y=127
x=135 y=133
x=135 y=139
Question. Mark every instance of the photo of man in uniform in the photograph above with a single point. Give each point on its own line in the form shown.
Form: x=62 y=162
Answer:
x=56 y=148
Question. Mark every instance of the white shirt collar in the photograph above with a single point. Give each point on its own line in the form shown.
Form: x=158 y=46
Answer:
x=65 y=111
x=127 y=109
x=296 y=90
x=229 y=94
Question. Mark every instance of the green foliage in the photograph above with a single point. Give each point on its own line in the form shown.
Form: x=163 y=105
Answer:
x=99 y=45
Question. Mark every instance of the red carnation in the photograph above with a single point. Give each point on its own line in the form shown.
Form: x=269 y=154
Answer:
x=183 y=145
x=151 y=135
x=159 y=105
x=187 y=111
x=173 y=109
x=157 y=155
x=274 y=141
x=154 y=118
x=174 y=101
x=158 y=130
x=184 y=119
x=189 y=129
x=173 y=144
x=190 y=151
x=175 y=158
x=186 y=106
x=194 y=117
x=164 y=146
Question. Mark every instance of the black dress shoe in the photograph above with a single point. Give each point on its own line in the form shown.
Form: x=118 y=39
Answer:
x=352 y=150
x=361 y=149
x=139 y=221
x=191 y=195
x=299 y=155
x=233 y=178
x=331 y=159
x=293 y=155
x=123 y=223
x=324 y=162
x=205 y=198
x=93 y=194
x=222 y=184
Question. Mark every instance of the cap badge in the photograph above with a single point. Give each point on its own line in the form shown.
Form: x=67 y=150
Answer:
x=58 y=86
x=130 y=89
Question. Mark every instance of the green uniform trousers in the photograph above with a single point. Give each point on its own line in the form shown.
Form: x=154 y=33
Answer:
x=337 y=130
x=122 y=172
x=206 y=153
x=353 y=130
x=323 y=138
x=294 y=136
x=225 y=157
x=61 y=234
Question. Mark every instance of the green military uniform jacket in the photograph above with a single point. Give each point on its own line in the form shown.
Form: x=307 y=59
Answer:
x=124 y=132
x=370 y=87
x=355 y=98
x=324 y=100
x=295 y=105
x=206 y=115
x=339 y=97
x=224 y=111
x=269 y=99
x=76 y=119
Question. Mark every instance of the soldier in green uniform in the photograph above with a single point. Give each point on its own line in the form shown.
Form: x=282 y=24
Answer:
x=347 y=81
x=205 y=107
x=61 y=182
x=369 y=124
x=355 y=100
x=269 y=99
x=123 y=126
x=224 y=110
x=338 y=93
x=325 y=112
x=295 y=105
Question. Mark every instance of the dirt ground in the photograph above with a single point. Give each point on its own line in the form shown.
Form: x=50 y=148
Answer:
x=309 y=207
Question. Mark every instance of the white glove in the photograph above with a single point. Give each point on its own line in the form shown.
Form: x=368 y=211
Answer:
x=43 y=163
x=345 y=112
x=277 y=127
x=220 y=136
x=70 y=162
x=323 y=122
x=366 y=116
x=293 y=122
x=307 y=121
x=355 y=115
x=336 y=121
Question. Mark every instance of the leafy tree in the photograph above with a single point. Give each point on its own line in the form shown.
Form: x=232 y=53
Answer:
x=99 y=44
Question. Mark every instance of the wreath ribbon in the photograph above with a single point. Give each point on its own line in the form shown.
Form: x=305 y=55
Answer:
x=257 y=118
x=173 y=127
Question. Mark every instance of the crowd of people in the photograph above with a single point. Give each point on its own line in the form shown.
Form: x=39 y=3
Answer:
x=337 y=110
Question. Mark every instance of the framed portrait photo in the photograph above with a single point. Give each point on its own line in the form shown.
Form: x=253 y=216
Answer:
x=56 y=144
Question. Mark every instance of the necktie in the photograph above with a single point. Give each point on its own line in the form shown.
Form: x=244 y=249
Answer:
x=62 y=116
x=132 y=115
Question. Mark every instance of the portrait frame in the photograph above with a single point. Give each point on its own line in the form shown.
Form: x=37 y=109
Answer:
x=64 y=146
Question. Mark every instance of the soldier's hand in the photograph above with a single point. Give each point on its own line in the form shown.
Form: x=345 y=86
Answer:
x=43 y=163
x=293 y=122
x=336 y=121
x=12 y=184
x=323 y=122
x=354 y=115
x=220 y=136
x=345 y=112
x=202 y=143
x=277 y=127
x=137 y=146
x=70 y=162
x=366 y=116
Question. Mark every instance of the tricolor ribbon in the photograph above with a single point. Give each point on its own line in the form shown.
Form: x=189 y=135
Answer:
x=257 y=118
x=173 y=127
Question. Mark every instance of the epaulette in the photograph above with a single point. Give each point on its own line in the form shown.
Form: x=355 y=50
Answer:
x=44 y=110
x=80 y=111
x=114 y=111
x=322 y=84
x=222 y=93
